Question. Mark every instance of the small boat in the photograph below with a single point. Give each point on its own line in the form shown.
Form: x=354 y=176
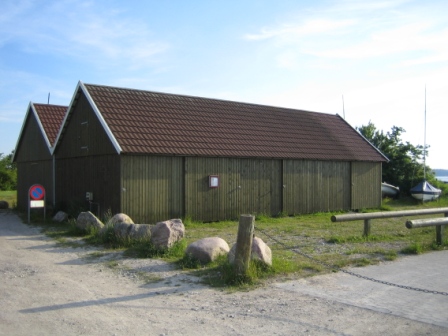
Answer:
x=388 y=190
x=424 y=191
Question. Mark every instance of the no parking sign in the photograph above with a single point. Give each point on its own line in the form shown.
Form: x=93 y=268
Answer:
x=36 y=198
x=37 y=192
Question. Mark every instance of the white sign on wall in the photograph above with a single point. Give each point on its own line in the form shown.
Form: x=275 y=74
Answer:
x=213 y=181
x=37 y=204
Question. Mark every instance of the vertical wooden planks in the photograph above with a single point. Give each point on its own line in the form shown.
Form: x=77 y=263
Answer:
x=97 y=174
x=246 y=186
x=313 y=186
x=366 y=185
x=154 y=187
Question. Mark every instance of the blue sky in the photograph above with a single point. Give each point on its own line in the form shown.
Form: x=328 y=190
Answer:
x=378 y=55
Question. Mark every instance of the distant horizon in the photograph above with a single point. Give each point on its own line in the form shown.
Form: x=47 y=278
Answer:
x=440 y=171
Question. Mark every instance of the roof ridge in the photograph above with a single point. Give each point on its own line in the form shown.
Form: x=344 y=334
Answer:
x=52 y=105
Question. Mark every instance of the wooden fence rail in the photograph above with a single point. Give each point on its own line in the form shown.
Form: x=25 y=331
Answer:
x=439 y=223
x=367 y=217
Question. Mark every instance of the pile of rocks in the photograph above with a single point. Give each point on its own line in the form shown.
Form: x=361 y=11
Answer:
x=209 y=249
x=164 y=235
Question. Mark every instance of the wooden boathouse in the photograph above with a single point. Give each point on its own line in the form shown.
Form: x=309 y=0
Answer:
x=156 y=156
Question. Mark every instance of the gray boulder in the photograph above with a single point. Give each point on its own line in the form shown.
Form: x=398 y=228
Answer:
x=120 y=218
x=132 y=231
x=140 y=231
x=121 y=230
x=87 y=220
x=4 y=205
x=60 y=217
x=165 y=234
x=208 y=249
x=260 y=251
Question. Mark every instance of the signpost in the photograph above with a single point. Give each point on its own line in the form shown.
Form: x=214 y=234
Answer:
x=36 y=199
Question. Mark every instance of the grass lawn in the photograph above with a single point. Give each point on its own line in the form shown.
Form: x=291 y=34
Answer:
x=301 y=245
x=9 y=196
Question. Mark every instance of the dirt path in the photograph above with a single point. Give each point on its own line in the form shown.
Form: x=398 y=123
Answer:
x=49 y=290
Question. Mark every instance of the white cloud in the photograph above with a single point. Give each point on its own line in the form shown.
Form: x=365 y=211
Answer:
x=354 y=6
x=80 y=30
x=416 y=37
x=310 y=27
x=353 y=30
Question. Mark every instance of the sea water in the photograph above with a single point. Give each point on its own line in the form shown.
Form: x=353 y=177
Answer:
x=442 y=178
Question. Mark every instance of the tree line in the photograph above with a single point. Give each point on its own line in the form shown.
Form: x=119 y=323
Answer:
x=406 y=166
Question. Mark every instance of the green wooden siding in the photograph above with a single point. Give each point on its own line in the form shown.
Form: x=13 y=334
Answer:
x=152 y=187
x=158 y=188
x=86 y=161
x=313 y=186
x=84 y=135
x=97 y=174
x=246 y=186
x=366 y=185
x=32 y=146
x=261 y=186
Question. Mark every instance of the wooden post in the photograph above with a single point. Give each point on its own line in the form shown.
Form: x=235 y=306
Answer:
x=366 y=227
x=244 y=243
x=439 y=234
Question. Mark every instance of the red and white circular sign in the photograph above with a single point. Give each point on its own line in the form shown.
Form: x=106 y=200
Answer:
x=37 y=192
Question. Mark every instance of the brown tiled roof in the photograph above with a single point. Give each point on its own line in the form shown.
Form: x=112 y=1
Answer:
x=51 y=117
x=159 y=123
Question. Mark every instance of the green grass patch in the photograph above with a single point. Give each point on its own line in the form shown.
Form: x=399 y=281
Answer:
x=222 y=274
x=414 y=248
x=9 y=196
x=148 y=250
